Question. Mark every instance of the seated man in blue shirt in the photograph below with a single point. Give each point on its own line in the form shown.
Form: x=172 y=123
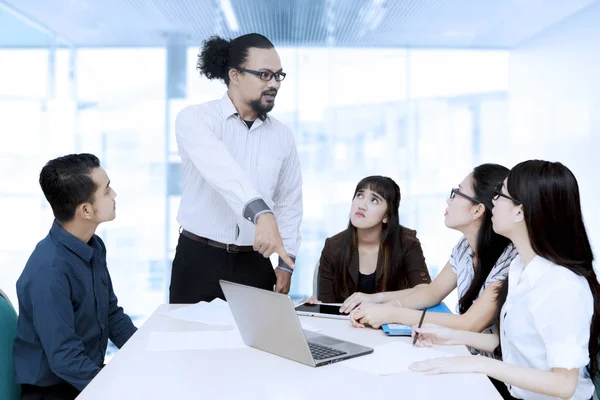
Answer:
x=67 y=307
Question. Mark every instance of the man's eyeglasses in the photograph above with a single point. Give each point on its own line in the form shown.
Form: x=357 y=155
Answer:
x=264 y=75
x=457 y=191
x=498 y=193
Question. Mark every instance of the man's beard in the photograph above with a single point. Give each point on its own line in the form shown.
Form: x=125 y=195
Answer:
x=259 y=108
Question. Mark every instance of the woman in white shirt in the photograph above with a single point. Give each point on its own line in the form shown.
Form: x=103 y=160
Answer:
x=477 y=263
x=552 y=295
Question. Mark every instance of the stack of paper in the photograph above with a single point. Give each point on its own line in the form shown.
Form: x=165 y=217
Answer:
x=393 y=358
x=215 y=313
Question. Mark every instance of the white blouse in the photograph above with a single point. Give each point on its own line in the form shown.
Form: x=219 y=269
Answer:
x=545 y=322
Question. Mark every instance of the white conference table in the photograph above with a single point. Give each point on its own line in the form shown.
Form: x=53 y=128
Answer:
x=247 y=373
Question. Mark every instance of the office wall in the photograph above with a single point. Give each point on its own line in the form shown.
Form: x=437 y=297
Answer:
x=415 y=123
x=554 y=107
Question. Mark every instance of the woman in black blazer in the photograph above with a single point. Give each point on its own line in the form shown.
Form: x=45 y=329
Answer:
x=375 y=253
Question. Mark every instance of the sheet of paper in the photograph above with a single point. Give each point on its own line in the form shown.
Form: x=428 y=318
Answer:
x=216 y=313
x=196 y=340
x=393 y=358
x=202 y=340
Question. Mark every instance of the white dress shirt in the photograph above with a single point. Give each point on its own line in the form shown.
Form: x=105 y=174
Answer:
x=545 y=322
x=228 y=170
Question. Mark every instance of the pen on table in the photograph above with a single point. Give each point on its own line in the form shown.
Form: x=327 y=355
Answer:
x=420 y=324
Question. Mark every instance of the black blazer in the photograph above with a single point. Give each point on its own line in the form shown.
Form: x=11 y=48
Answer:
x=412 y=268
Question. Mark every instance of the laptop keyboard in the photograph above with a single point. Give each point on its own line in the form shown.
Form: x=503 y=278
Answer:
x=321 y=352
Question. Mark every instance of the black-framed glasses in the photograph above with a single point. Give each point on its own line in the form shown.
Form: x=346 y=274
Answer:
x=264 y=75
x=498 y=193
x=456 y=191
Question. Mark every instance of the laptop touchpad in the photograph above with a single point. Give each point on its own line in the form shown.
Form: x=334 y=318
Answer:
x=327 y=341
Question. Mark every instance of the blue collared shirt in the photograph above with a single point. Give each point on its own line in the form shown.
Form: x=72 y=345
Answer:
x=67 y=312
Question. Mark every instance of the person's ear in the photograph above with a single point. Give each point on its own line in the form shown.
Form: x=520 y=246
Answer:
x=479 y=211
x=85 y=210
x=234 y=76
x=519 y=214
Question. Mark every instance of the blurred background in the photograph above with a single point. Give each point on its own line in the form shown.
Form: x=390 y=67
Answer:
x=418 y=90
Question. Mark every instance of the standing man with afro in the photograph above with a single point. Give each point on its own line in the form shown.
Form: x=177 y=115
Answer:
x=242 y=183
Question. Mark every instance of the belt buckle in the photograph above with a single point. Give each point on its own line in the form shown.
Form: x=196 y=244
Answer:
x=232 y=249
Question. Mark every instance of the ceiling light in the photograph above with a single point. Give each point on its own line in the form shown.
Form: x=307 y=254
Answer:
x=229 y=15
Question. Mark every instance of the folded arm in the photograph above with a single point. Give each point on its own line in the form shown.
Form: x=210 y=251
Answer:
x=478 y=317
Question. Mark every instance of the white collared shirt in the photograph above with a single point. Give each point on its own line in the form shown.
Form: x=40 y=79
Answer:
x=545 y=322
x=226 y=166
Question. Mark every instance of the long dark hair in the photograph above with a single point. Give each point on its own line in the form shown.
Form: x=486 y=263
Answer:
x=549 y=194
x=218 y=55
x=390 y=249
x=490 y=245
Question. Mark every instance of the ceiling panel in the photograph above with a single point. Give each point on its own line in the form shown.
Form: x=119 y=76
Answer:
x=343 y=23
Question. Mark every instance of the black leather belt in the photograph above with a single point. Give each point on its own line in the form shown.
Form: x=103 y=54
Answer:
x=231 y=248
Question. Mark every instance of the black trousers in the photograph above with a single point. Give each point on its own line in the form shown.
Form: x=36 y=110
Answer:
x=64 y=391
x=198 y=267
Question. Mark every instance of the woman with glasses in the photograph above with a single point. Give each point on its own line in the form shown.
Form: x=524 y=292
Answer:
x=477 y=263
x=375 y=253
x=549 y=307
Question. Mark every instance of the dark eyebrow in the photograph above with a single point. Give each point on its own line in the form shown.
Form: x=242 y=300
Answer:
x=377 y=196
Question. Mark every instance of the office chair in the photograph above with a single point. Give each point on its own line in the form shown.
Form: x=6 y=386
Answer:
x=9 y=390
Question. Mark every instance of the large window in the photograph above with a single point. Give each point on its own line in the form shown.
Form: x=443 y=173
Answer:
x=422 y=117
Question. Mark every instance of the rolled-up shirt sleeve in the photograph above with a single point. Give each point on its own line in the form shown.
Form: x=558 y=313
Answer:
x=54 y=322
x=563 y=323
x=500 y=269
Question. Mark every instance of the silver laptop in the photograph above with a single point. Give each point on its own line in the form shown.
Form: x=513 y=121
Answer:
x=268 y=321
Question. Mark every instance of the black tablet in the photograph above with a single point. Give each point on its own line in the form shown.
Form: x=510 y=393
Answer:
x=324 y=310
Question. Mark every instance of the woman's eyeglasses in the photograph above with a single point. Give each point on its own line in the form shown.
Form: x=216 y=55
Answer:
x=457 y=191
x=498 y=193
